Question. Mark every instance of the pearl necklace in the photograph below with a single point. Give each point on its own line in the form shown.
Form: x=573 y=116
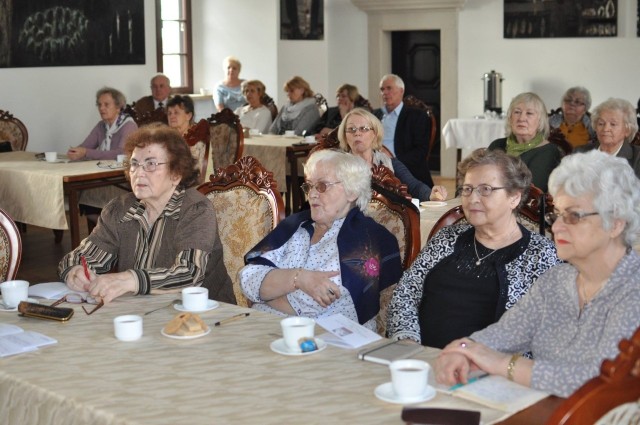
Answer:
x=475 y=248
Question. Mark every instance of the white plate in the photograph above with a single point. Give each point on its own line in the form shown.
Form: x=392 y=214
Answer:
x=385 y=393
x=278 y=346
x=185 y=336
x=4 y=307
x=433 y=204
x=210 y=306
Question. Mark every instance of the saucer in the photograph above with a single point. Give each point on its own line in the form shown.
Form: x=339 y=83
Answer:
x=278 y=346
x=185 y=336
x=433 y=204
x=5 y=308
x=385 y=393
x=211 y=304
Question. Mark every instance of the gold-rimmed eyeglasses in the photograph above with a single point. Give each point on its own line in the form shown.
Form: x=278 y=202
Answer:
x=321 y=187
x=482 y=189
x=568 y=217
x=75 y=298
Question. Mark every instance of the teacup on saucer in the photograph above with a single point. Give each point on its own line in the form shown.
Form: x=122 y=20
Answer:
x=385 y=393
x=278 y=346
x=211 y=304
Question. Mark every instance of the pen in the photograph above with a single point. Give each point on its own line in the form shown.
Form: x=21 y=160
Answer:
x=232 y=318
x=85 y=267
x=474 y=379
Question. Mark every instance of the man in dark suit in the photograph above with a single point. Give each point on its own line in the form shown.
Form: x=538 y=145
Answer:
x=160 y=90
x=406 y=130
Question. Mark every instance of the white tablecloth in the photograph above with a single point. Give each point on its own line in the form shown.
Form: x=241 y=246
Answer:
x=429 y=216
x=463 y=133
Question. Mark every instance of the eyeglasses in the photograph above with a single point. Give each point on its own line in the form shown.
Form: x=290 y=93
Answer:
x=482 y=189
x=148 y=166
x=110 y=165
x=574 y=102
x=321 y=187
x=354 y=130
x=568 y=217
x=75 y=298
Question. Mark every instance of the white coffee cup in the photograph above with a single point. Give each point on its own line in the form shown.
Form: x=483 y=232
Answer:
x=295 y=328
x=195 y=298
x=128 y=328
x=51 y=156
x=121 y=158
x=254 y=132
x=409 y=377
x=289 y=133
x=13 y=292
x=309 y=139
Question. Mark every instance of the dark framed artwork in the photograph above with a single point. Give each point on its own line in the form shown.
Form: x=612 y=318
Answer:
x=37 y=33
x=560 y=18
x=301 y=19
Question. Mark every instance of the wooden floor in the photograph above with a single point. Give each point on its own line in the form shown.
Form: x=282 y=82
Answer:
x=40 y=253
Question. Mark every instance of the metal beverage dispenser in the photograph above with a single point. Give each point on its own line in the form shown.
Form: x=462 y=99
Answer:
x=493 y=91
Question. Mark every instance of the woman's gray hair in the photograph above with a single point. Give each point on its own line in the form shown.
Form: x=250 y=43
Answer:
x=609 y=180
x=374 y=123
x=628 y=114
x=529 y=98
x=117 y=96
x=516 y=176
x=351 y=170
x=581 y=91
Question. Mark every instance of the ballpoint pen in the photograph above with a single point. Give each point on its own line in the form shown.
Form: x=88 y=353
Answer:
x=85 y=267
x=232 y=318
x=474 y=379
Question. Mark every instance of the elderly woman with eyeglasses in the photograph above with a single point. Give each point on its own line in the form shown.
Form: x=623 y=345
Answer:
x=527 y=129
x=361 y=134
x=616 y=126
x=576 y=314
x=572 y=120
x=329 y=259
x=470 y=273
x=163 y=236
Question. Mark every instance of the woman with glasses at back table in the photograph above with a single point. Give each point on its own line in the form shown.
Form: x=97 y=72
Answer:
x=576 y=314
x=572 y=120
x=329 y=259
x=163 y=236
x=468 y=274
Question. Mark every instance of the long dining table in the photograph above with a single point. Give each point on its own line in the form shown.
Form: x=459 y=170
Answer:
x=34 y=191
x=429 y=215
x=230 y=375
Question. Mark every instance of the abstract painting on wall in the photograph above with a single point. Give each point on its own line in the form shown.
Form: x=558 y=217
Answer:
x=38 y=33
x=560 y=18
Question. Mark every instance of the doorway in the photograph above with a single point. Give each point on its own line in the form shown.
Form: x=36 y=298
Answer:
x=415 y=56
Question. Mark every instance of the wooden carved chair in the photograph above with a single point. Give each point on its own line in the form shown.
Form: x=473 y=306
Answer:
x=10 y=247
x=391 y=207
x=361 y=102
x=198 y=140
x=248 y=206
x=413 y=102
x=321 y=103
x=531 y=215
x=226 y=138
x=13 y=131
x=271 y=105
x=613 y=397
x=158 y=115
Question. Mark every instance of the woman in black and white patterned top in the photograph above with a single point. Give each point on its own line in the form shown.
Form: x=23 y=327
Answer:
x=469 y=274
x=576 y=313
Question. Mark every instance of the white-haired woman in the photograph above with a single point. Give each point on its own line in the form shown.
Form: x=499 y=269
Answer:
x=572 y=120
x=229 y=91
x=329 y=259
x=527 y=129
x=576 y=313
x=616 y=126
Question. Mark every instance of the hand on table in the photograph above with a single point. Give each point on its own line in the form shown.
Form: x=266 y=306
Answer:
x=107 y=287
x=438 y=193
x=77 y=279
x=319 y=286
x=76 y=153
x=464 y=355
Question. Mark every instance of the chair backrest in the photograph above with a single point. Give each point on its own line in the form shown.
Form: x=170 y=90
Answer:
x=361 y=102
x=327 y=141
x=226 y=138
x=248 y=206
x=13 y=131
x=271 y=105
x=10 y=247
x=321 y=103
x=413 y=102
x=198 y=140
x=613 y=393
x=531 y=215
x=157 y=115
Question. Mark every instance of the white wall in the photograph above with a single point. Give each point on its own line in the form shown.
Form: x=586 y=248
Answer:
x=608 y=67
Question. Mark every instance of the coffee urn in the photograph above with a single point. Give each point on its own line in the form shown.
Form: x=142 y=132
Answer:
x=493 y=91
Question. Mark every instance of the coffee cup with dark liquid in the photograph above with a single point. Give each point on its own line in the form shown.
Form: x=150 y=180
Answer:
x=409 y=377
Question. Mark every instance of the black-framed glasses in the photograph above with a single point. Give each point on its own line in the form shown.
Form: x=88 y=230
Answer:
x=148 y=166
x=568 y=217
x=574 y=102
x=75 y=298
x=482 y=189
x=354 y=130
x=321 y=187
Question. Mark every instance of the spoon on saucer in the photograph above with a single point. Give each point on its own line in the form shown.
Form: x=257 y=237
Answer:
x=174 y=302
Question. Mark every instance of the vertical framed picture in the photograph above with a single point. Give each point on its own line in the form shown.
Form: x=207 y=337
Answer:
x=560 y=18
x=301 y=19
